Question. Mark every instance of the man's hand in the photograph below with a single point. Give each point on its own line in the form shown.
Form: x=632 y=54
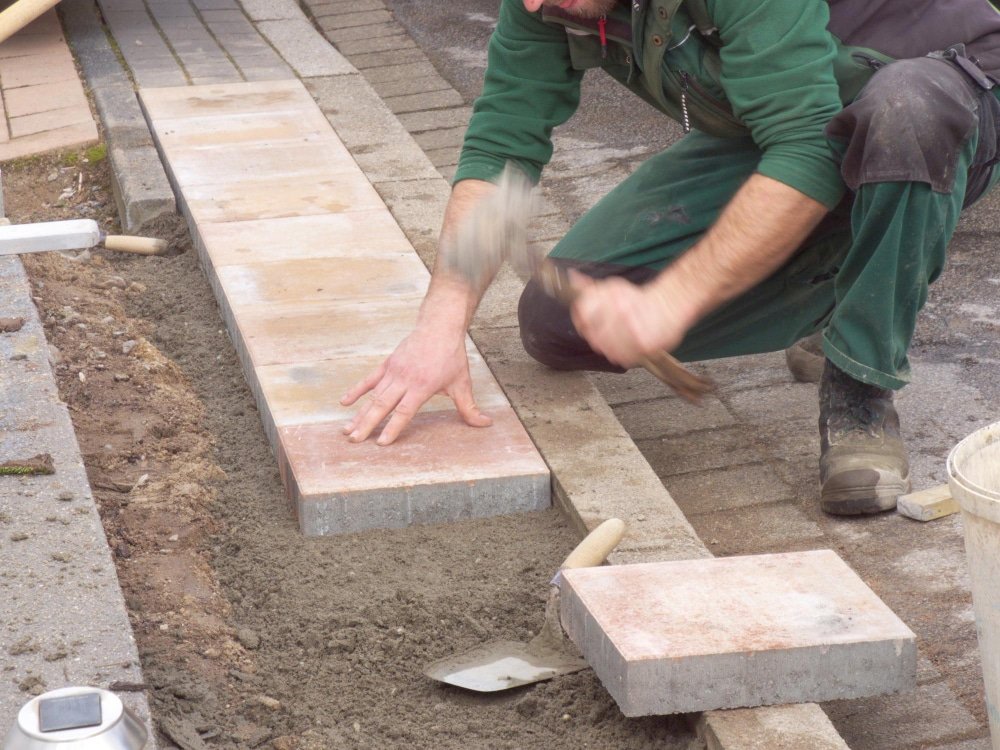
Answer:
x=623 y=321
x=432 y=359
x=760 y=228
x=423 y=365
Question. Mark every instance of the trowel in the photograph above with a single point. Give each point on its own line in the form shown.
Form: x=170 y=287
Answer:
x=73 y=234
x=501 y=665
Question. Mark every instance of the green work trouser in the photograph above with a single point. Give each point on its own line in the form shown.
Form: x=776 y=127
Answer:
x=861 y=277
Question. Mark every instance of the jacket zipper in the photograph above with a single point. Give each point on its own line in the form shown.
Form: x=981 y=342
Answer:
x=685 y=82
x=691 y=89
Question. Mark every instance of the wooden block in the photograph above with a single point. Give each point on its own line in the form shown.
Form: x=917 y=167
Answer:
x=926 y=505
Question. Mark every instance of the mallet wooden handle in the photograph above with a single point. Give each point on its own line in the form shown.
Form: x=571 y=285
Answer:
x=664 y=366
x=20 y=14
x=597 y=545
x=139 y=245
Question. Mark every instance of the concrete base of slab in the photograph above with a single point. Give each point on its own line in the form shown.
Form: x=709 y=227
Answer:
x=402 y=507
x=697 y=635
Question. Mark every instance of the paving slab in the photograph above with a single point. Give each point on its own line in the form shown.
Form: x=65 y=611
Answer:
x=257 y=168
x=686 y=636
x=43 y=99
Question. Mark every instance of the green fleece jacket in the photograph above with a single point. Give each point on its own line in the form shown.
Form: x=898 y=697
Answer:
x=771 y=68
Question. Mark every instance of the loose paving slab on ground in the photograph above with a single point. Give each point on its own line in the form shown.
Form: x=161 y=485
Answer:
x=685 y=636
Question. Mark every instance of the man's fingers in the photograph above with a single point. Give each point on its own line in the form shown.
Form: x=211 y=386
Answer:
x=376 y=410
x=363 y=385
x=405 y=411
x=579 y=281
x=467 y=408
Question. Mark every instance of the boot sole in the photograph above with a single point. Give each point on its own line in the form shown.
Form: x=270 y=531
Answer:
x=862 y=498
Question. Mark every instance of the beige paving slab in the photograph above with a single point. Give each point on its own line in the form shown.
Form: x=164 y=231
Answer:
x=313 y=280
x=66 y=137
x=30 y=70
x=306 y=333
x=698 y=635
x=243 y=129
x=441 y=471
x=174 y=102
x=309 y=392
x=307 y=159
x=45 y=97
x=370 y=233
x=52 y=119
x=288 y=196
x=44 y=105
x=318 y=284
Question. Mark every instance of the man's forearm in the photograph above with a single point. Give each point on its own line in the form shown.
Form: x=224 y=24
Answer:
x=761 y=228
x=451 y=299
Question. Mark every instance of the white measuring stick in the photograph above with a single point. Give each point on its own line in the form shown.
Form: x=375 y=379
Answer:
x=74 y=234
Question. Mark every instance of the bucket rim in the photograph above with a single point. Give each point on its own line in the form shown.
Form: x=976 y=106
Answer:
x=958 y=453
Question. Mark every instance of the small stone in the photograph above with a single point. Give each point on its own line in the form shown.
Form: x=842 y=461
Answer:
x=268 y=702
x=66 y=497
x=136 y=288
x=55 y=356
x=18 y=536
x=248 y=638
x=173 y=538
x=128 y=346
x=164 y=626
x=565 y=717
x=115 y=282
x=120 y=377
x=82 y=376
x=212 y=653
x=62 y=557
x=11 y=325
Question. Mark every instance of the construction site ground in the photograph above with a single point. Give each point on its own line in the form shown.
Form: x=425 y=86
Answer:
x=252 y=636
x=249 y=634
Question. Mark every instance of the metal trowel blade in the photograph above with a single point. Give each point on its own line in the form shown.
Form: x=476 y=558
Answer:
x=500 y=666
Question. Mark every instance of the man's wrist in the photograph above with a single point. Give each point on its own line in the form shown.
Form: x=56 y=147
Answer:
x=676 y=299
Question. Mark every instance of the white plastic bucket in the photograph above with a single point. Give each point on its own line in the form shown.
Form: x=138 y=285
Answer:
x=974 y=477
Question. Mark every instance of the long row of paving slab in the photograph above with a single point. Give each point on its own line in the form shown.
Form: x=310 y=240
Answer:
x=317 y=284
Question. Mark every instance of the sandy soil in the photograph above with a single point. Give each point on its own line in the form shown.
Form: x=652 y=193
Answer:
x=249 y=634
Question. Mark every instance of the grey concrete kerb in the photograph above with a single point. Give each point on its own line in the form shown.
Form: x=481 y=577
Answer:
x=140 y=184
x=63 y=619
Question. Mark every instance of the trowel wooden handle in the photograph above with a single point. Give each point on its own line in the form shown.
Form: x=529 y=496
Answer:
x=20 y=14
x=139 y=245
x=597 y=545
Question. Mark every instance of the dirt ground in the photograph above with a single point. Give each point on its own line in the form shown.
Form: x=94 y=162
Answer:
x=251 y=635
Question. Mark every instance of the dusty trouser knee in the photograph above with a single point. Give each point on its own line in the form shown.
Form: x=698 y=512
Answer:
x=910 y=124
x=547 y=330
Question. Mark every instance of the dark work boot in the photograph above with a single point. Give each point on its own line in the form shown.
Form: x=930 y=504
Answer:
x=805 y=358
x=862 y=465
